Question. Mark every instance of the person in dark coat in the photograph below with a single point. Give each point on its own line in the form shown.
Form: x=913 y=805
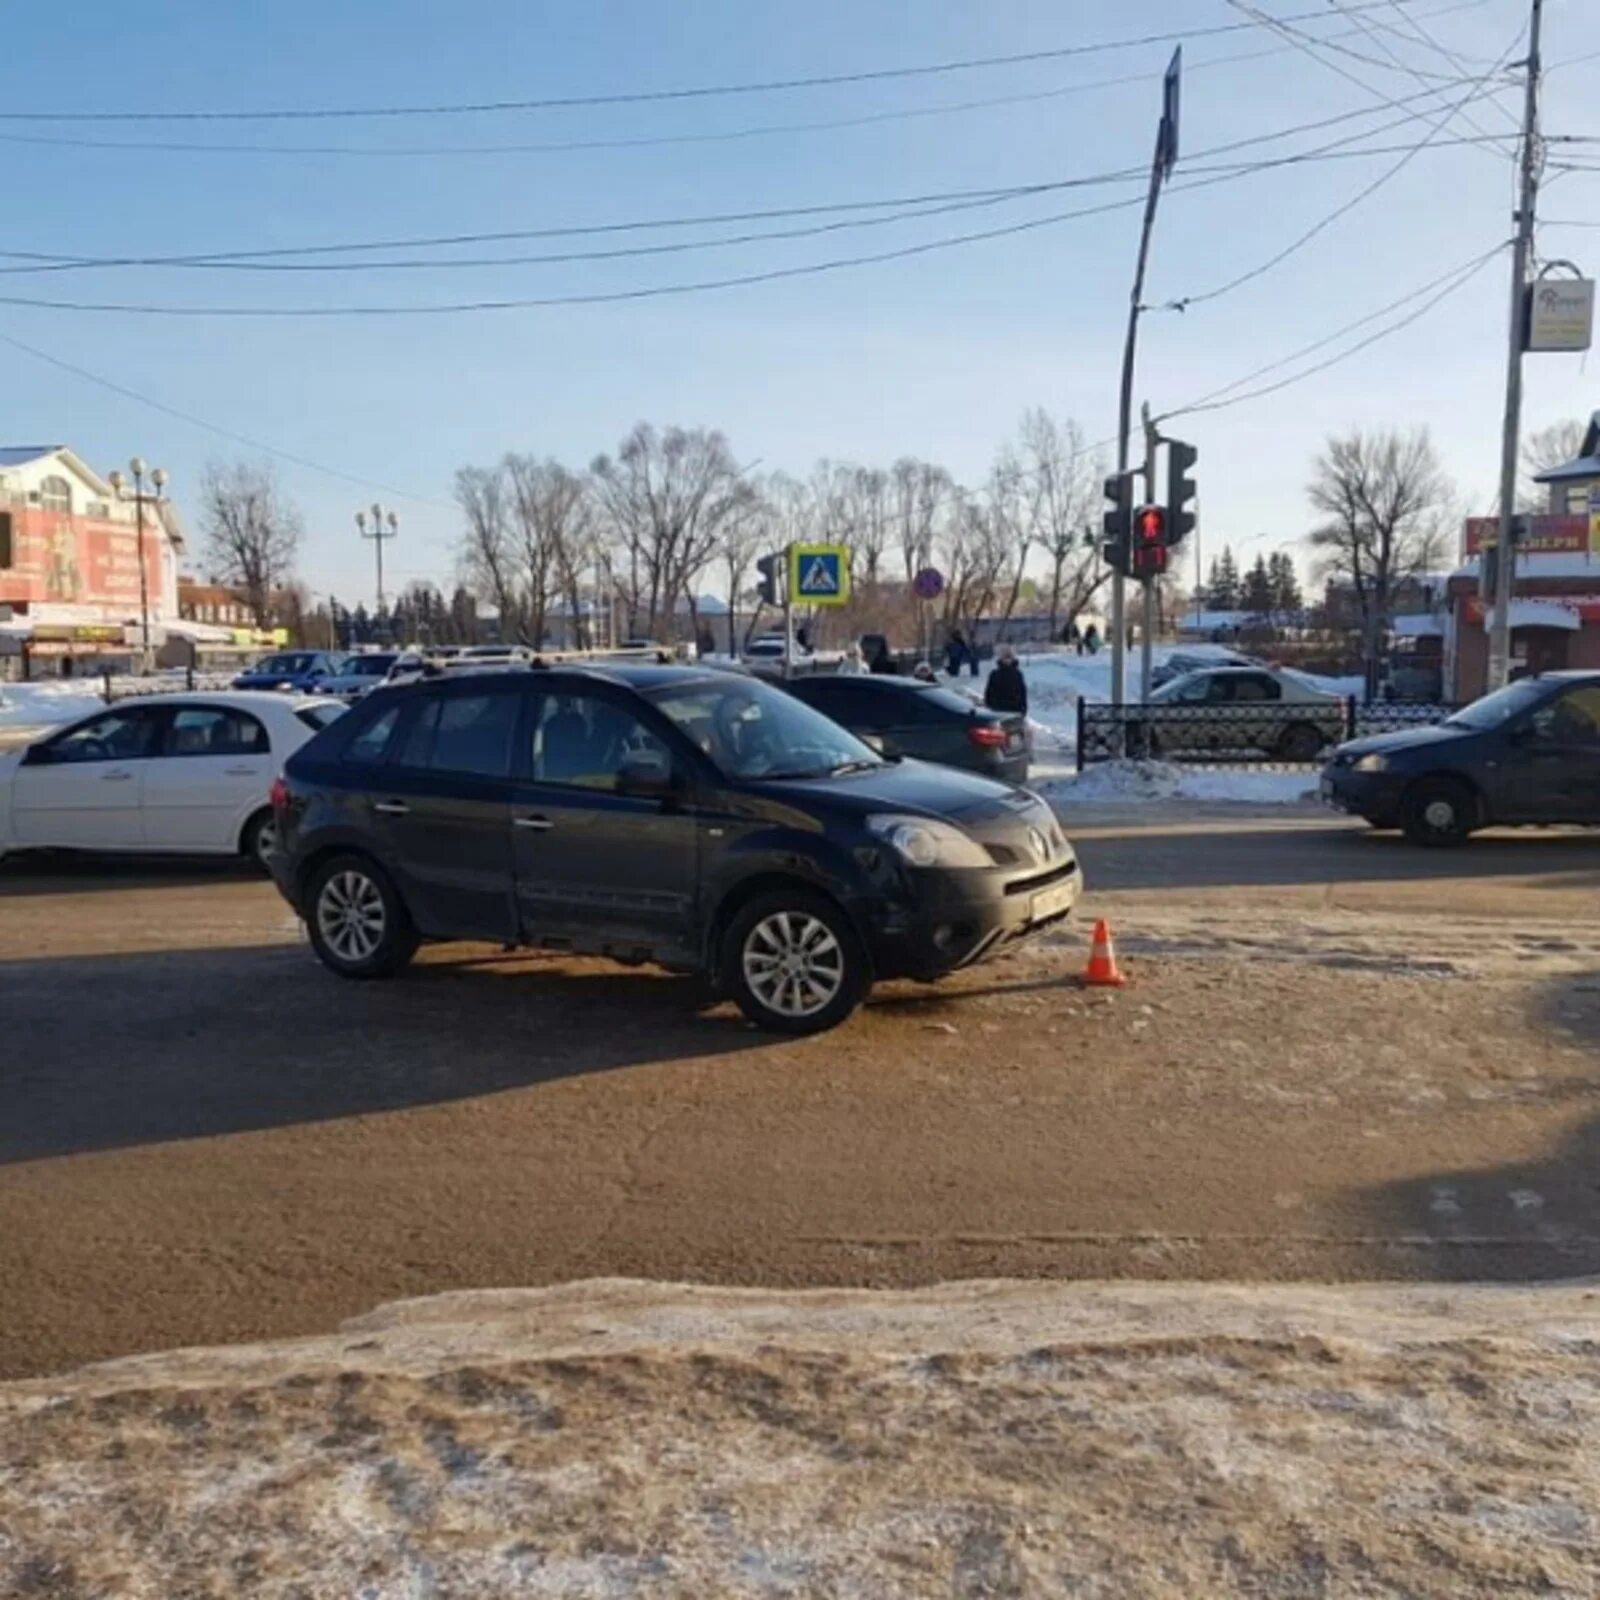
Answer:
x=1091 y=639
x=1007 y=689
x=955 y=652
x=882 y=661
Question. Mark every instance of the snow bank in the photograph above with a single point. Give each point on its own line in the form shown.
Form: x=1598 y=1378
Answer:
x=40 y=705
x=1161 y=780
x=626 y=1439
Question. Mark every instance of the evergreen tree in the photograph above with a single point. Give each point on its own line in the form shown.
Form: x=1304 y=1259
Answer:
x=1286 y=596
x=1222 y=593
x=1258 y=594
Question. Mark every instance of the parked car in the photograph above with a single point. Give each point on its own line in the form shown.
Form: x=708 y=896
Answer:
x=1529 y=753
x=169 y=774
x=1181 y=662
x=301 y=670
x=1228 y=710
x=702 y=820
x=361 y=674
x=907 y=717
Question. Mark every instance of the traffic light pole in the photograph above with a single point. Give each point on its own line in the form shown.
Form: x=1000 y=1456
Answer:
x=1527 y=203
x=1147 y=623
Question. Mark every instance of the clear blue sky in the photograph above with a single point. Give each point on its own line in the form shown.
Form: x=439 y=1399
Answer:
x=936 y=355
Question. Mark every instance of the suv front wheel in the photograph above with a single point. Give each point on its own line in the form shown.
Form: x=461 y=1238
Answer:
x=793 y=963
x=358 y=926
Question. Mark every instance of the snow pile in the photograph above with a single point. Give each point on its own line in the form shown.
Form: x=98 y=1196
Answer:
x=1123 y=781
x=627 y=1439
x=40 y=705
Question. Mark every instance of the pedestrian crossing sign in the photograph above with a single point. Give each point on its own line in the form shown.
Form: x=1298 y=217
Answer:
x=819 y=574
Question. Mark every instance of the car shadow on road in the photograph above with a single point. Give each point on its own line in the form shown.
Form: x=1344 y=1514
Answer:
x=1266 y=857
x=112 y=1051
x=1527 y=1219
x=68 y=872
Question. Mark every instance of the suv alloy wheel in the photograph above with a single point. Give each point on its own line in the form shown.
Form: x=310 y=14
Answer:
x=793 y=963
x=358 y=926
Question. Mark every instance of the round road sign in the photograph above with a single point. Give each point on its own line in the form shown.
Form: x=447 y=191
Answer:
x=928 y=584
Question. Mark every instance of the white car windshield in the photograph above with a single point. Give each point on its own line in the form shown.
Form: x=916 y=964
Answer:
x=752 y=731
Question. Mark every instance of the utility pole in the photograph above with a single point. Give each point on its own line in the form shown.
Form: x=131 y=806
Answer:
x=1527 y=204
x=1147 y=623
x=1160 y=170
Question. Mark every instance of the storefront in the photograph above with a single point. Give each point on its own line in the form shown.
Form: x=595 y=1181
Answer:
x=1555 y=607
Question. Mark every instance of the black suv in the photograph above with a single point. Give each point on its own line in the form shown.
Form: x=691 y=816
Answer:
x=1529 y=753
x=704 y=821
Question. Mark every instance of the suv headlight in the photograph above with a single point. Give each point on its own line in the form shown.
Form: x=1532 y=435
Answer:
x=923 y=842
x=1373 y=763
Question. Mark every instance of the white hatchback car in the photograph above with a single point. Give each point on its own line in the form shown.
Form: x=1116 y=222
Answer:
x=172 y=774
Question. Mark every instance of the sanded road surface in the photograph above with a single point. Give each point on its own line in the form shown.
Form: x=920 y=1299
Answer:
x=1339 y=1058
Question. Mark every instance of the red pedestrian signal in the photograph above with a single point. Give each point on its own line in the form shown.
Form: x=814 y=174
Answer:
x=1149 y=541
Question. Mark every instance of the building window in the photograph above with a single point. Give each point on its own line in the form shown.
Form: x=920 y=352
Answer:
x=55 y=494
x=5 y=540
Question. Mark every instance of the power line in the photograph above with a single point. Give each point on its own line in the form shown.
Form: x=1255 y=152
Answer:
x=1418 y=28
x=1452 y=281
x=657 y=291
x=214 y=428
x=650 y=141
x=1431 y=137
x=260 y=260
x=649 y=96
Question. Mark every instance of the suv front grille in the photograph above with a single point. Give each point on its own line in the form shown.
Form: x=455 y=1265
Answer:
x=1042 y=880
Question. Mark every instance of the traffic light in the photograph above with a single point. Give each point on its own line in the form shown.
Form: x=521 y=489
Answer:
x=770 y=567
x=1181 y=490
x=1150 y=541
x=1118 y=521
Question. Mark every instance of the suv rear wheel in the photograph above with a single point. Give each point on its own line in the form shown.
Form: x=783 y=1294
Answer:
x=793 y=963
x=358 y=926
x=1439 y=811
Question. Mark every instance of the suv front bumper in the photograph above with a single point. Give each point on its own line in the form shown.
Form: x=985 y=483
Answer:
x=945 y=929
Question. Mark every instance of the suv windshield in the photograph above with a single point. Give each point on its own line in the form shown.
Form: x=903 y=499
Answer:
x=752 y=731
x=1494 y=710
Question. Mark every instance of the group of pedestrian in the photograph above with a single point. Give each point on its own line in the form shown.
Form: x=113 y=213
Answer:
x=1006 y=690
x=958 y=653
x=1086 y=641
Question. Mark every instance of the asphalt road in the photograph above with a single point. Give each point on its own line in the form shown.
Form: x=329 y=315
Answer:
x=1339 y=1058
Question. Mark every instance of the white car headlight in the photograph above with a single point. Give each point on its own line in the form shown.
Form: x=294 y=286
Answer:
x=924 y=842
x=1373 y=763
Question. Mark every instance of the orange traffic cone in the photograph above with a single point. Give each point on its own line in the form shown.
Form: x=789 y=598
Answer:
x=1102 y=973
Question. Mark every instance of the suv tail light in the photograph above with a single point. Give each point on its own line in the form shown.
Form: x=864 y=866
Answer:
x=987 y=735
x=279 y=794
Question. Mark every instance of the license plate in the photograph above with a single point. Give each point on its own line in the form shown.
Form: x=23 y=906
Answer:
x=1052 y=902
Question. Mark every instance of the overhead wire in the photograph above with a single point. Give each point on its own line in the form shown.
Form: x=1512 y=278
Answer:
x=650 y=292
x=652 y=96
x=648 y=141
x=905 y=208
x=1429 y=139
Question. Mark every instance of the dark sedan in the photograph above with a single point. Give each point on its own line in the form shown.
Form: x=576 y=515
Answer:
x=1529 y=753
x=906 y=717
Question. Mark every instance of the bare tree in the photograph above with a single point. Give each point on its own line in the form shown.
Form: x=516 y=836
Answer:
x=918 y=493
x=552 y=531
x=1063 y=480
x=252 y=532
x=1543 y=449
x=1008 y=507
x=667 y=496
x=489 y=556
x=1384 y=501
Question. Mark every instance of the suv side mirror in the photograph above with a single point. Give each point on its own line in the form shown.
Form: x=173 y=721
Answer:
x=648 y=776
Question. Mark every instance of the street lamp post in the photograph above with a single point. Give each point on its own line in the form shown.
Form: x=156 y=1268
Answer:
x=158 y=481
x=383 y=525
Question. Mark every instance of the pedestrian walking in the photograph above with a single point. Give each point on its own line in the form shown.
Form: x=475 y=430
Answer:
x=852 y=666
x=882 y=661
x=1091 y=639
x=1007 y=689
x=955 y=652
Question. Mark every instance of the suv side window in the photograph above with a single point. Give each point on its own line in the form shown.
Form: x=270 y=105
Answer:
x=855 y=705
x=370 y=745
x=470 y=734
x=214 y=731
x=583 y=741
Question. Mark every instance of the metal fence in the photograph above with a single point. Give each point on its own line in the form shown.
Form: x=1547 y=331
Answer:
x=1284 y=736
